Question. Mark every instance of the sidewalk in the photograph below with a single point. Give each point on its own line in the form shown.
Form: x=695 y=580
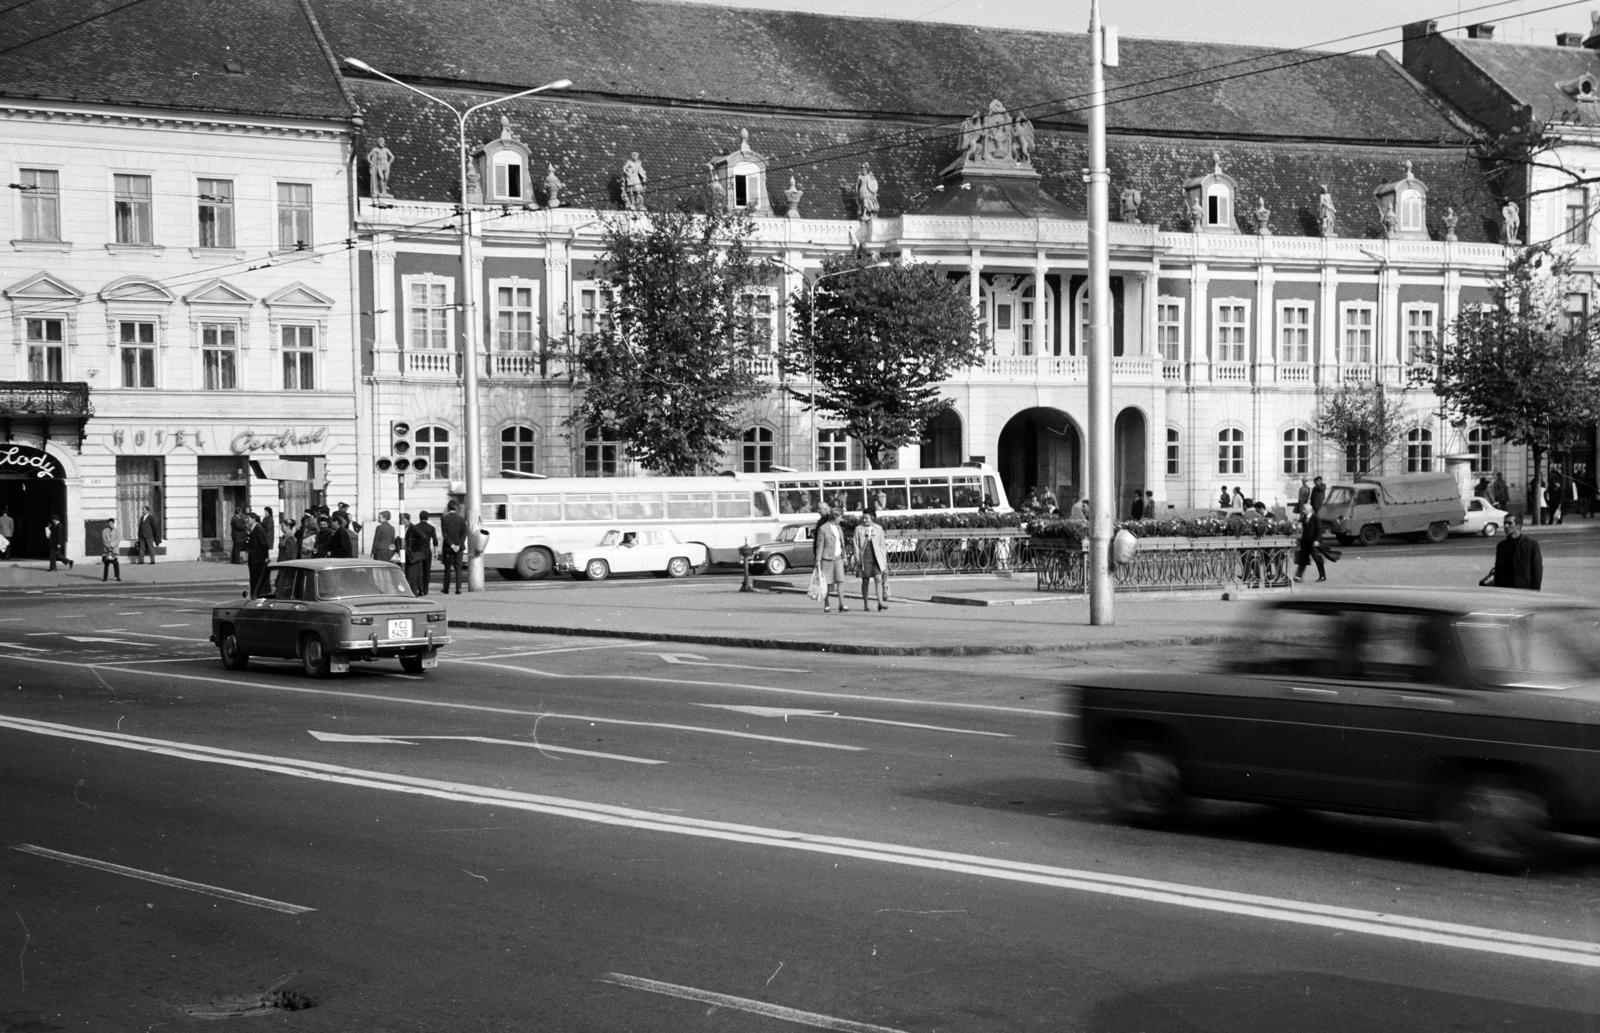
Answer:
x=929 y=615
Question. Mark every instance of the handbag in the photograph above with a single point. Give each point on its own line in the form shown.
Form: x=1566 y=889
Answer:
x=814 y=588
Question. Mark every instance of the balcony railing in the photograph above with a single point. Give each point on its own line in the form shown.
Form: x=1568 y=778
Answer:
x=21 y=399
x=431 y=364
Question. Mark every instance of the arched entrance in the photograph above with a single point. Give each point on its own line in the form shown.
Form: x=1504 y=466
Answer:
x=33 y=486
x=1130 y=467
x=941 y=440
x=1041 y=448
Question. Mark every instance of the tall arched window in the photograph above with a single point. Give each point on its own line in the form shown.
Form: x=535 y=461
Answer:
x=433 y=445
x=1411 y=213
x=519 y=451
x=1419 y=450
x=1297 y=451
x=1230 y=451
x=756 y=451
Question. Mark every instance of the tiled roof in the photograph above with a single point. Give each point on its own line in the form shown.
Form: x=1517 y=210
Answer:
x=1529 y=74
x=588 y=141
x=170 y=54
x=682 y=53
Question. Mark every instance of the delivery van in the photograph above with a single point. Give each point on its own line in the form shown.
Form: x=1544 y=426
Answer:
x=1426 y=504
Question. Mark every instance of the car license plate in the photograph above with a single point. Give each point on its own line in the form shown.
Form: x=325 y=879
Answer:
x=400 y=627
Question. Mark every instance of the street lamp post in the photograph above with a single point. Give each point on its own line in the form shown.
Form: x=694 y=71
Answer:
x=811 y=340
x=472 y=455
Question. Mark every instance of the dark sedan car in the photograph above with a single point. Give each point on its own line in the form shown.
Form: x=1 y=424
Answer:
x=794 y=547
x=1479 y=711
x=327 y=613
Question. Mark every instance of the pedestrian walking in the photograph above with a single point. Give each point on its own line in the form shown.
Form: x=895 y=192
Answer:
x=149 y=538
x=238 y=532
x=1319 y=492
x=453 y=532
x=383 y=538
x=258 y=549
x=830 y=560
x=1237 y=502
x=109 y=541
x=1302 y=501
x=872 y=556
x=419 y=551
x=1518 y=561
x=1501 y=491
x=1309 y=549
x=8 y=531
x=55 y=543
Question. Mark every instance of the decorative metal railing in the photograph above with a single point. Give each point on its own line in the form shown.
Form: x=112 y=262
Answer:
x=1170 y=563
x=953 y=551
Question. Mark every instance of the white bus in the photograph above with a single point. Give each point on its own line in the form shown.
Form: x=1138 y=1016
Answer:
x=952 y=489
x=531 y=522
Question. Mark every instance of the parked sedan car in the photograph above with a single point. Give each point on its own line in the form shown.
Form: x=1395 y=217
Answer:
x=1477 y=710
x=794 y=547
x=1482 y=518
x=654 y=550
x=329 y=613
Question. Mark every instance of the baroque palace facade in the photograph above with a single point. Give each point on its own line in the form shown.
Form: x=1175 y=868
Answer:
x=1284 y=225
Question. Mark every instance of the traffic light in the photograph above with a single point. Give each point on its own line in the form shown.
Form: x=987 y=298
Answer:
x=398 y=459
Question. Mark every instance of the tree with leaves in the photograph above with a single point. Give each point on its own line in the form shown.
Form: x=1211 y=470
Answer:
x=876 y=340
x=1526 y=369
x=668 y=371
x=1365 y=421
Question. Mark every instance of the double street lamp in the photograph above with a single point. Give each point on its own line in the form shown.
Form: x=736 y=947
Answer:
x=472 y=456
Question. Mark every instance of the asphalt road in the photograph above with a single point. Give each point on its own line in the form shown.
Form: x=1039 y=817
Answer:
x=579 y=834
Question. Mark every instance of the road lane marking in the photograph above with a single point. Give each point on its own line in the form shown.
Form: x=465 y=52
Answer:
x=128 y=667
x=412 y=740
x=555 y=649
x=744 y=1004
x=695 y=660
x=165 y=880
x=834 y=715
x=18 y=645
x=1383 y=924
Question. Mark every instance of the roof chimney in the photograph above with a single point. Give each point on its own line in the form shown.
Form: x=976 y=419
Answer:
x=1482 y=30
x=1592 y=41
x=1569 y=39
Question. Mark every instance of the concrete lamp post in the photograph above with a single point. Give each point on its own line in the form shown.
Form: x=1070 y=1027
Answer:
x=472 y=457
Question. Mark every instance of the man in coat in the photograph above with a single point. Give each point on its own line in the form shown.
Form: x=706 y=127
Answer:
x=258 y=549
x=1518 y=562
x=1319 y=492
x=383 y=538
x=149 y=538
x=420 y=540
x=239 y=531
x=453 y=531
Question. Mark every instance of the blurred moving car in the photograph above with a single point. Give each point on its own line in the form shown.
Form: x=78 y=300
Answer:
x=794 y=547
x=329 y=613
x=653 y=550
x=1477 y=710
x=1482 y=518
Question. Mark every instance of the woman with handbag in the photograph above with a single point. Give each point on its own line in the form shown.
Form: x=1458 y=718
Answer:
x=830 y=560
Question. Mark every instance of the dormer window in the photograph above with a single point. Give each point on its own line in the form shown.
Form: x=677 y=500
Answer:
x=1209 y=200
x=509 y=178
x=1403 y=207
x=1219 y=206
x=739 y=180
x=1411 y=210
x=500 y=170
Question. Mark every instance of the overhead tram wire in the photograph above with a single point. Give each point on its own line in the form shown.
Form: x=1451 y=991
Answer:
x=68 y=27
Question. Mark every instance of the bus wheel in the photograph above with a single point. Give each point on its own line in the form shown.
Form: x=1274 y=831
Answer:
x=534 y=563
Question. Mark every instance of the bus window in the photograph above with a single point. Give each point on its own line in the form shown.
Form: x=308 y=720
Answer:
x=965 y=492
x=930 y=493
x=886 y=495
x=588 y=507
x=845 y=496
x=761 y=503
x=685 y=505
x=537 y=509
x=733 y=504
x=633 y=505
x=991 y=488
x=495 y=507
x=799 y=497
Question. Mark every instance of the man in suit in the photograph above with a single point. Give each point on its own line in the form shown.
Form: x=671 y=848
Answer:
x=149 y=538
x=420 y=540
x=1518 y=561
x=453 y=530
x=383 y=538
x=257 y=550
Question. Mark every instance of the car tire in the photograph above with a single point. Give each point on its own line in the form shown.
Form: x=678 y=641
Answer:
x=314 y=658
x=411 y=664
x=776 y=565
x=1438 y=531
x=1144 y=784
x=535 y=563
x=597 y=570
x=1370 y=534
x=1496 y=821
x=233 y=657
x=1490 y=530
x=679 y=566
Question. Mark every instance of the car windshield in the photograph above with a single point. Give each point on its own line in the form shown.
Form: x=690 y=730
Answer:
x=791 y=533
x=1547 y=648
x=351 y=582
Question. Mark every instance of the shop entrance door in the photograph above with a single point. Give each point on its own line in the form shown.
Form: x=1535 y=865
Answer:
x=217 y=506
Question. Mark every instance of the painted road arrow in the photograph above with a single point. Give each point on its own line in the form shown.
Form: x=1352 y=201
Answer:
x=114 y=641
x=695 y=660
x=786 y=713
x=412 y=740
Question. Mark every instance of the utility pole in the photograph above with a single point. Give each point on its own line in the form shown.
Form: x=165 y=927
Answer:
x=1102 y=504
